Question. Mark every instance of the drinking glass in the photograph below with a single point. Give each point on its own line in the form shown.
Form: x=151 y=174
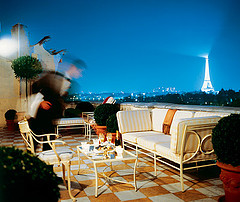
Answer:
x=109 y=137
x=101 y=137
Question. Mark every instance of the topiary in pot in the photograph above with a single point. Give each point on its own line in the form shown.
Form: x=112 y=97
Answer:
x=10 y=116
x=85 y=106
x=103 y=111
x=101 y=114
x=112 y=124
x=24 y=177
x=226 y=145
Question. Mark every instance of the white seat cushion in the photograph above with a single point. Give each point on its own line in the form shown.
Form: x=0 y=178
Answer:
x=69 y=121
x=132 y=137
x=50 y=157
x=158 y=116
x=150 y=142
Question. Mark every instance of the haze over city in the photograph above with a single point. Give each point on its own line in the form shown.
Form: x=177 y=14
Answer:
x=138 y=45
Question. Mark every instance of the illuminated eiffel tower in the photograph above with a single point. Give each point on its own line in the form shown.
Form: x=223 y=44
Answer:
x=207 y=85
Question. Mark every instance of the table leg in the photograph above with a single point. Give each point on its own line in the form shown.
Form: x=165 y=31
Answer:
x=96 y=179
x=134 y=174
x=78 y=160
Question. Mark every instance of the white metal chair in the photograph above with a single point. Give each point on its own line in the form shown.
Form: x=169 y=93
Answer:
x=53 y=156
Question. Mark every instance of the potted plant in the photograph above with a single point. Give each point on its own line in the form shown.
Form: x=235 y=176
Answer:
x=101 y=114
x=112 y=126
x=226 y=145
x=10 y=117
x=26 y=67
x=24 y=177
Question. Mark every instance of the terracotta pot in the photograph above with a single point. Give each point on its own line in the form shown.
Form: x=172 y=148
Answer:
x=101 y=129
x=11 y=125
x=230 y=177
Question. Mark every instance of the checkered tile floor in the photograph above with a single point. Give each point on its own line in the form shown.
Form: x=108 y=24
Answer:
x=201 y=185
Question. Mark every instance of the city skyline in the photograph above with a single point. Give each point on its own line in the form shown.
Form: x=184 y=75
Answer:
x=138 y=46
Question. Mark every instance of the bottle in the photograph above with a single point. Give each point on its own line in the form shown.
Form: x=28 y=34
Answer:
x=117 y=139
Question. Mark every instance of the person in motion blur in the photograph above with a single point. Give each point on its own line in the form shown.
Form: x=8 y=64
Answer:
x=51 y=87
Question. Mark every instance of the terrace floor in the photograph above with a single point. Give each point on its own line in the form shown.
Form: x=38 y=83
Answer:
x=201 y=185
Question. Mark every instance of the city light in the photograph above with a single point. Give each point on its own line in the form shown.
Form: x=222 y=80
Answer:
x=7 y=47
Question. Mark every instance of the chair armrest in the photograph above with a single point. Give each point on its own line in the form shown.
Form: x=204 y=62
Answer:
x=198 y=127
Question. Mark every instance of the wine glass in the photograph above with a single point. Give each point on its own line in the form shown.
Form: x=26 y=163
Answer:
x=101 y=137
x=109 y=137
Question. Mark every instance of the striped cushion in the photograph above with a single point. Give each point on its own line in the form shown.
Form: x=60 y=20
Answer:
x=158 y=116
x=192 y=138
x=69 y=121
x=133 y=121
x=203 y=114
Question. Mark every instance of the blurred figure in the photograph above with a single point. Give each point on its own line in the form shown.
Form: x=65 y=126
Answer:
x=49 y=90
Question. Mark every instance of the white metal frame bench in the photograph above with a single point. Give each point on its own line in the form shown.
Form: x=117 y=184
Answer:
x=72 y=123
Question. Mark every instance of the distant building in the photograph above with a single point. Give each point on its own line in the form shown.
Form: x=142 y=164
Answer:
x=207 y=84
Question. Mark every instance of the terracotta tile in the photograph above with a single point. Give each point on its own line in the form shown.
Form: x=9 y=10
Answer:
x=165 y=180
x=145 y=169
x=84 y=171
x=217 y=197
x=190 y=195
x=171 y=172
x=140 y=200
x=98 y=165
x=90 y=183
x=195 y=184
x=154 y=191
x=129 y=178
x=64 y=194
x=117 y=187
x=121 y=167
x=104 y=198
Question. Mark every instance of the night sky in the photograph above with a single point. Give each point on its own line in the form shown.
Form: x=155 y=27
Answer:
x=137 y=45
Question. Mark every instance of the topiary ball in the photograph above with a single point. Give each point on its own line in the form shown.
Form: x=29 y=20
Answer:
x=112 y=124
x=103 y=111
x=226 y=140
x=24 y=177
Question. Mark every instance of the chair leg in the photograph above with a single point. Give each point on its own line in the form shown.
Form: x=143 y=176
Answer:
x=69 y=181
x=64 y=176
x=181 y=177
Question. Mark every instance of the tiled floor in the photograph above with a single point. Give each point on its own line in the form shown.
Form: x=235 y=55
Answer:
x=202 y=185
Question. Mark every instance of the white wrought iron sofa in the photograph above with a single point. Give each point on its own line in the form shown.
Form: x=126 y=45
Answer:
x=189 y=141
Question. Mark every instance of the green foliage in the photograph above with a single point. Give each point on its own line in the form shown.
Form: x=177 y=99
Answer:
x=85 y=106
x=26 y=67
x=226 y=139
x=112 y=124
x=10 y=114
x=24 y=177
x=103 y=111
x=71 y=112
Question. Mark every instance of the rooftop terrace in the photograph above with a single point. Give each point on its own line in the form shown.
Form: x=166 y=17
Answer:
x=201 y=185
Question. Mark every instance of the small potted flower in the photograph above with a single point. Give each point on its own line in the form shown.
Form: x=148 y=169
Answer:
x=226 y=145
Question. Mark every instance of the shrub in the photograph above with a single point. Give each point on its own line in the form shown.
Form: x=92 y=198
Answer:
x=10 y=114
x=85 y=106
x=24 y=177
x=71 y=112
x=112 y=124
x=226 y=140
x=103 y=111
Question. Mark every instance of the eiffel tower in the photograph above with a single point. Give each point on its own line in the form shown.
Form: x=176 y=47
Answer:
x=207 y=85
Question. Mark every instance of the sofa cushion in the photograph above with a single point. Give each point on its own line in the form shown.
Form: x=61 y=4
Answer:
x=150 y=141
x=204 y=114
x=158 y=116
x=133 y=121
x=133 y=136
x=163 y=149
